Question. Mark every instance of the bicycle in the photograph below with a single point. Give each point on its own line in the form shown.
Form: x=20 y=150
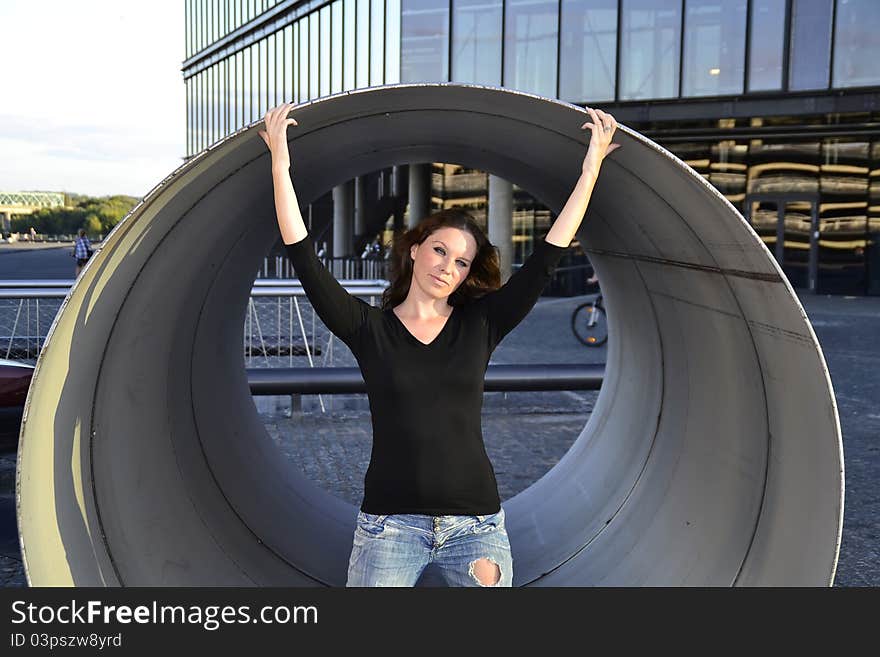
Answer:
x=589 y=323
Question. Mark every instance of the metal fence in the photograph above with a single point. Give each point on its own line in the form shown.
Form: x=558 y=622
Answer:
x=372 y=267
x=279 y=325
x=281 y=328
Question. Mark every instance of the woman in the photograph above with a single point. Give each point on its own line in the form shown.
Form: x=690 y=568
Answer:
x=430 y=494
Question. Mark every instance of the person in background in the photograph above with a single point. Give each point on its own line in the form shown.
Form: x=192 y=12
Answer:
x=82 y=250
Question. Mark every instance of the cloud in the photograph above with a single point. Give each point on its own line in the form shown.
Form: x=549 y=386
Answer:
x=99 y=106
x=94 y=143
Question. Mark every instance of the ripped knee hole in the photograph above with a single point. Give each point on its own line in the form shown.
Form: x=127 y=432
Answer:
x=486 y=572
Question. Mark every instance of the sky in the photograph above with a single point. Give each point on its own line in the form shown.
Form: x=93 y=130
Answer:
x=92 y=98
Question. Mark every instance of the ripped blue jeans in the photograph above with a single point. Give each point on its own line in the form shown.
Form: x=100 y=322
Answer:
x=393 y=550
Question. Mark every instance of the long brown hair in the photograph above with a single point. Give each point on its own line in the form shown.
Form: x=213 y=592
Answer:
x=484 y=274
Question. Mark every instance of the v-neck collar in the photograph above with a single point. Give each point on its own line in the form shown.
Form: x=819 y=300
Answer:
x=414 y=338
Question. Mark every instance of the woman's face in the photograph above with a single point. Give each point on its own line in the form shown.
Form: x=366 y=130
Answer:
x=443 y=260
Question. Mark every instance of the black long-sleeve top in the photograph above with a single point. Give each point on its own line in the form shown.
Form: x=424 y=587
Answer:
x=428 y=455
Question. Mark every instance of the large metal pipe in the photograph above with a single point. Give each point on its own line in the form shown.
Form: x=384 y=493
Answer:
x=712 y=457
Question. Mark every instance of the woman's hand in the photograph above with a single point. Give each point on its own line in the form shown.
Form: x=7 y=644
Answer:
x=566 y=224
x=275 y=134
x=603 y=128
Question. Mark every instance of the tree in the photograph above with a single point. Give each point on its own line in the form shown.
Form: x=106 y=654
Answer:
x=93 y=225
x=96 y=215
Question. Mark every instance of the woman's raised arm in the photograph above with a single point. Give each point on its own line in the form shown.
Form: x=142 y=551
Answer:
x=569 y=220
x=507 y=306
x=342 y=313
x=290 y=221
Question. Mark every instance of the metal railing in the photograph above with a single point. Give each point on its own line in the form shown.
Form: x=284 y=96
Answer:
x=280 y=331
x=350 y=267
x=499 y=378
x=278 y=324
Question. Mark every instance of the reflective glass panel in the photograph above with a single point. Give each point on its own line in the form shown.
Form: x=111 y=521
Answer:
x=714 y=47
x=377 y=42
x=392 y=41
x=530 y=43
x=767 y=45
x=337 y=43
x=314 y=55
x=303 y=25
x=424 y=41
x=349 y=53
x=651 y=33
x=271 y=73
x=476 y=41
x=287 y=64
x=588 y=50
x=810 y=44
x=324 y=63
x=363 y=43
x=857 y=43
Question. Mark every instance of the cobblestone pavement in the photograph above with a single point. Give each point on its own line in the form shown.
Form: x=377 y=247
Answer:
x=333 y=450
x=527 y=433
x=11 y=570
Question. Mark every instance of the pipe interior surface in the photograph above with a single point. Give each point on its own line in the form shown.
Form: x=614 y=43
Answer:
x=713 y=455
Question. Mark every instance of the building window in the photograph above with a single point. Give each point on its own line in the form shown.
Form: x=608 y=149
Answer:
x=303 y=39
x=189 y=112
x=244 y=92
x=588 y=51
x=263 y=83
x=392 y=41
x=239 y=89
x=714 y=47
x=204 y=23
x=377 y=42
x=424 y=41
x=271 y=74
x=767 y=45
x=186 y=36
x=856 y=43
x=255 y=84
x=530 y=44
x=224 y=97
x=212 y=104
x=649 y=53
x=326 y=62
x=338 y=42
x=363 y=43
x=314 y=54
x=294 y=63
x=810 y=44
x=287 y=65
x=202 y=106
x=349 y=54
x=476 y=41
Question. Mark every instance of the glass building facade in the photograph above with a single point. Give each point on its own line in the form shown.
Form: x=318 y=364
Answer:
x=775 y=102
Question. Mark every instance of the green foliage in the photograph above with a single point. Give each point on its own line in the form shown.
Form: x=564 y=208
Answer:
x=96 y=215
x=93 y=225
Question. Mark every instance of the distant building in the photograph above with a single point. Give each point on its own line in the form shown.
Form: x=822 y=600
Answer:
x=775 y=102
x=20 y=203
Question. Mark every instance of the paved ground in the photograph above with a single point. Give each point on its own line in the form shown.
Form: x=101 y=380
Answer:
x=332 y=448
x=22 y=260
